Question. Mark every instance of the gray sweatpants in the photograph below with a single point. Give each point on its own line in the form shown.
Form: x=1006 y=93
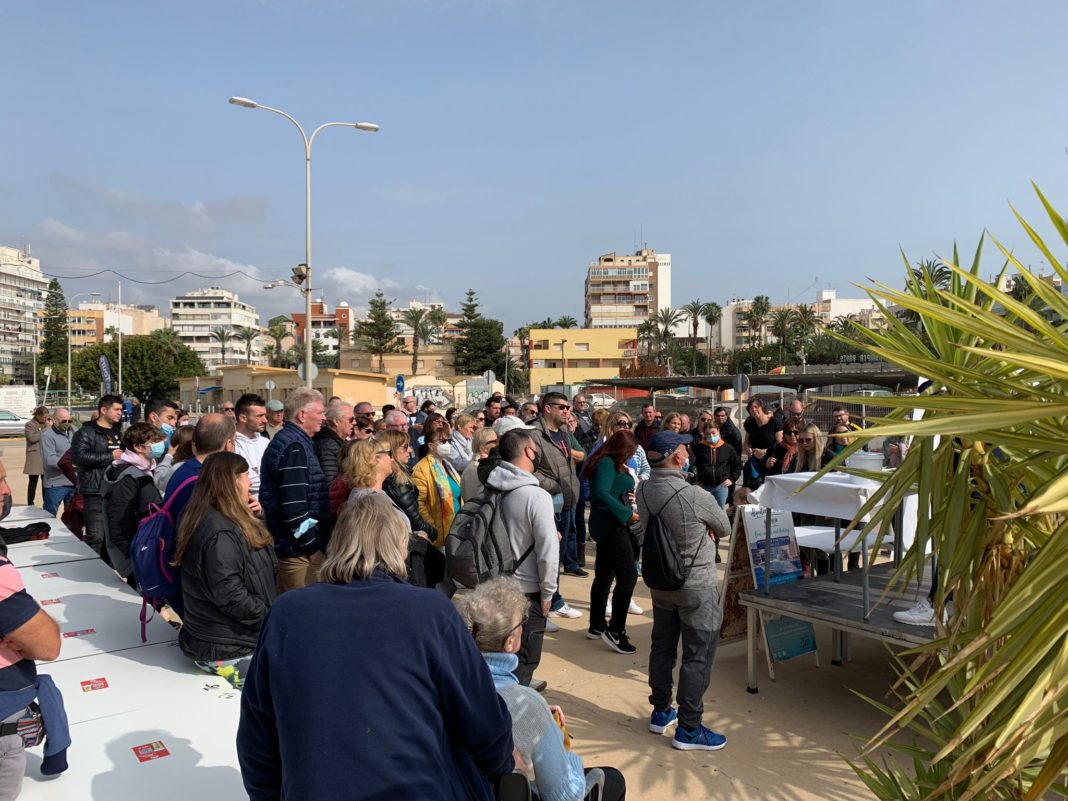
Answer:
x=12 y=762
x=694 y=615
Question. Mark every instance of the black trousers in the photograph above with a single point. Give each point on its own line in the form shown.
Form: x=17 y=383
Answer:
x=93 y=513
x=31 y=489
x=615 y=560
x=532 y=640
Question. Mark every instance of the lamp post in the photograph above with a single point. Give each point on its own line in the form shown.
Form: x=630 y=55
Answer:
x=563 y=365
x=371 y=127
x=300 y=273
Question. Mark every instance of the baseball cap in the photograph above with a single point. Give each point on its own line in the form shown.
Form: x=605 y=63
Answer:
x=275 y=406
x=502 y=425
x=665 y=442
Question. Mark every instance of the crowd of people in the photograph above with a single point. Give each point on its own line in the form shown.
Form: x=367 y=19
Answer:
x=301 y=525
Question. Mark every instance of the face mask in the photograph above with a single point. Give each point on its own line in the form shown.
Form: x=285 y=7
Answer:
x=5 y=509
x=63 y=426
x=713 y=438
x=445 y=449
x=686 y=465
x=158 y=449
x=167 y=429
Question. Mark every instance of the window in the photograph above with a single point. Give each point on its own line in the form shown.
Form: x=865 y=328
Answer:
x=582 y=346
x=355 y=362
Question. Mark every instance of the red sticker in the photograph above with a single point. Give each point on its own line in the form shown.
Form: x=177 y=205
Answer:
x=150 y=751
x=50 y=575
x=50 y=601
x=94 y=684
x=79 y=633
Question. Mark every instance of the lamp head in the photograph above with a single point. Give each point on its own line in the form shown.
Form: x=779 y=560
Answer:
x=244 y=102
x=363 y=126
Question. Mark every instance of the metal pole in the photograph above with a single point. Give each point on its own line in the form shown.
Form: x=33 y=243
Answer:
x=563 y=365
x=120 y=339
x=308 y=350
x=767 y=553
x=70 y=406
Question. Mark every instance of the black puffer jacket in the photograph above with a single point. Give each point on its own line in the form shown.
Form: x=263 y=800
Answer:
x=716 y=465
x=128 y=491
x=91 y=452
x=227 y=588
x=406 y=498
x=328 y=444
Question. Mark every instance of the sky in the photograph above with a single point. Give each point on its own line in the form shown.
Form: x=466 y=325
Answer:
x=772 y=148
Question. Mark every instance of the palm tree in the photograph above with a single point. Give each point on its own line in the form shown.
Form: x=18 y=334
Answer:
x=341 y=334
x=647 y=335
x=523 y=335
x=713 y=313
x=566 y=322
x=780 y=324
x=248 y=335
x=277 y=332
x=436 y=322
x=666 y=319
x=223 y=337
x=416 y=319
x=980 y=710
x=695 y=312
x=806 y=323
x=170 y=341
x=757 y=317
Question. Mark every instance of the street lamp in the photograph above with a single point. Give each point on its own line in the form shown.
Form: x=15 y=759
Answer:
x=70 y=383
x=370 y=127
x=563 y=365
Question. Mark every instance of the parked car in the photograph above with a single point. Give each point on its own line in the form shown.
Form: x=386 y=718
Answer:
x=11 y=424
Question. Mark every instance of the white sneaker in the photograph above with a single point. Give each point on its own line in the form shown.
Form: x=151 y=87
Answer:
x=550 y=627
x=922 y=614
x=634 y=609
x=567 y=611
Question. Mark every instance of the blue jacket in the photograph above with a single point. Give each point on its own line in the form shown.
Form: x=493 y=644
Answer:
x=293 y=490
x=372 y=689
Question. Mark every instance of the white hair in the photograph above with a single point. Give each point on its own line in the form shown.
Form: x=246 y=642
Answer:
x=299 y=400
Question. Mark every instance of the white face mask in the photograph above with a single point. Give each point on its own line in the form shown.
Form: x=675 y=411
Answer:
x=445 y=450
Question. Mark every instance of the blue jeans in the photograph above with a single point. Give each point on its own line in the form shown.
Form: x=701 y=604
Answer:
x=720 y=493
x=53 y=496
x=565 y=524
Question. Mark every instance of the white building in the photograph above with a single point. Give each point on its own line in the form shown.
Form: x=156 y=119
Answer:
x=625 y=291
x=22 y=294
x=195 y=315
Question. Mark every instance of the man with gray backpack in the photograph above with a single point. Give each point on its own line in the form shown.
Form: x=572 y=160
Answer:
x=521 y=510
x=679 y=555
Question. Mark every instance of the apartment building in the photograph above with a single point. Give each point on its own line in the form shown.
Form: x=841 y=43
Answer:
x=625 y=291
x=195 y=315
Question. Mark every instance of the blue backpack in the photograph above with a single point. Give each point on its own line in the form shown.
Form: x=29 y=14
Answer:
x=151 y=552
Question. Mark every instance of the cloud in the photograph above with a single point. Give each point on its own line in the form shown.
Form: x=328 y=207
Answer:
x=171 y=216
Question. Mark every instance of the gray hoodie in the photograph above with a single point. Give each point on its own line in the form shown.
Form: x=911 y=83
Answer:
x=689 y=515
x=527 y=511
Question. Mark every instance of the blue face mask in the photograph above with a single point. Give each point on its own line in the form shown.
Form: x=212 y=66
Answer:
x=713 y=438
x=158 y=449
x=167 y=429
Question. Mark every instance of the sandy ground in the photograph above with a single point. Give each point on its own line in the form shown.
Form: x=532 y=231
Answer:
x=785 y=743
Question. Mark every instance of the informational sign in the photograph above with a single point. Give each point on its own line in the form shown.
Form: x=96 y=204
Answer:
x=741 y=383
x=400 y=383
x=489 y=377
x=150 y=751
x=313 y=369
x=105 y=374
x=269 y=384
x=785 y=558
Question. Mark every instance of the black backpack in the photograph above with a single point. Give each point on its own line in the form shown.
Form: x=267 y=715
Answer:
x=477 y=547
x=662 y=567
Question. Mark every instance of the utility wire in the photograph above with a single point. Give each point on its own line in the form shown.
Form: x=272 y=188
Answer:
x=125 y=277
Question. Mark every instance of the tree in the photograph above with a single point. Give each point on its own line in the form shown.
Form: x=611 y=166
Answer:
x=341 y=334
x=223 y=337
x=480 y=346
x=648 y=334
x=248 y=335
x=712 y=313
x=566 y=322
x=377 y=332
x=277 y=331
x=150 y=367
x=980 y=707
x=781 y=322
x=756 y=318
x=694 y=311
x=666 y=319
x=321 y=356
x=53 y=350
x=416 y=319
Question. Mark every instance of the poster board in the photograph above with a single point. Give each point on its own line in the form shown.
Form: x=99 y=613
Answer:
x=784 y=637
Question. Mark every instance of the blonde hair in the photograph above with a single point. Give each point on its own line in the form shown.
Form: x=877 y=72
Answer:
x=367 y=536
x=609 y=427
x=671 y=417
x=599 y=416
x=490 y=611
x=460 y=420
x=481 y=437
x=396 y=440
x=216 y=488
x=361 y=464
x=812 y=460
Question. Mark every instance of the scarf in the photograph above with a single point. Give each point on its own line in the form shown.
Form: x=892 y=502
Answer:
x=138 y=461
x=441 y=481
x=788 y=457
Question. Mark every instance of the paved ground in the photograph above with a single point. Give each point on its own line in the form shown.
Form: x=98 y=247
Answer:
x=784 y=744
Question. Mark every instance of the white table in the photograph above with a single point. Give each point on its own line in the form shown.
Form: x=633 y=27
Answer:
x=50 y=551
x=88 y=595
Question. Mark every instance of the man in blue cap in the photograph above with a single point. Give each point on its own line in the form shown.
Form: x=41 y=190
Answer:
x=691 y=612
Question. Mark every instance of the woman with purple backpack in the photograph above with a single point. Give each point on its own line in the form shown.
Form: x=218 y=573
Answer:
x=229 y=570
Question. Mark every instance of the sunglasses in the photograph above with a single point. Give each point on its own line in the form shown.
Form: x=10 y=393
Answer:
x=480 y=419
x=382 y=453
x=492 y=441
x=366 y=430
x=622 y=424
x=562 y=406
x=806 y=440
x=227 y=408
x=789 y=433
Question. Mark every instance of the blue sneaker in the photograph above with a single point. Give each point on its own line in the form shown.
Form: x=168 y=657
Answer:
x=661 y=719
x=699 y=739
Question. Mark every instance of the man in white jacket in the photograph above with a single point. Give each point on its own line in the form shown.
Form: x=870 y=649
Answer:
x=527 y=512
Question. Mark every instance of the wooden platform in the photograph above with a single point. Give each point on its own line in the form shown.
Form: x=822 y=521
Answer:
x=823 y=601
